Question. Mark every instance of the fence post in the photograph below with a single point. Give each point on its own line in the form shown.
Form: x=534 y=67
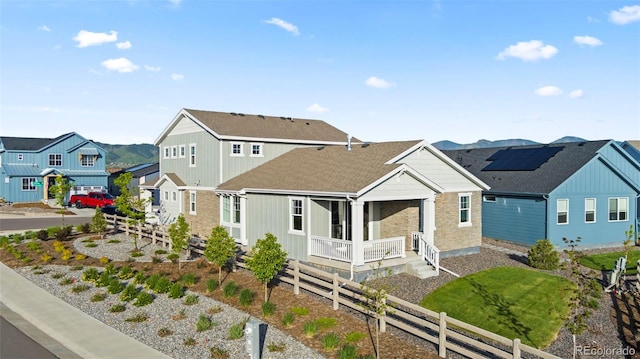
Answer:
x=127 y=229
x=442 y=342
x=336 y=294
x=383 y=315
x=153 y=236
x=296 y=277
x=516 y=348
x=139 y=230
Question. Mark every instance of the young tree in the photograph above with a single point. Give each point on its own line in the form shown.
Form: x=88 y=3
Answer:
x=629 y=241
x=375 y=291
x=60 y=189
x=265 y=260
x=543 y=255
x=129 y=204
x=220 y=249
x=179 y=234
x=98 y=223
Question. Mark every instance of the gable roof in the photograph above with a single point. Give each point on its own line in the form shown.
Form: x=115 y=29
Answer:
x=239 y=126
x=520 y=170
x=139 y=170
x=330 y=169
x=29 y=143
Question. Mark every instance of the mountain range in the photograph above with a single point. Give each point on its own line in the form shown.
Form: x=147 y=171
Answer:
x=125 y=156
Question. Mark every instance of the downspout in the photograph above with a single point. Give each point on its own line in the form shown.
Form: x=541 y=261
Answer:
x=546 y=216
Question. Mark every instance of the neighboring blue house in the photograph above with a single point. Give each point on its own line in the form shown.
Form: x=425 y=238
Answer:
x=28 y=166
x=588 y=189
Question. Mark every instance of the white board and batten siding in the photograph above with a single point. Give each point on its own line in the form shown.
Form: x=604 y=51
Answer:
x=438 y=171
x=400 y=186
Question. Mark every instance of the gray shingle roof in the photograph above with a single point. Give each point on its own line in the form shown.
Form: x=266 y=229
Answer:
x=28 y=143
x=542 y=180
x=322 y=169
x=269 y=127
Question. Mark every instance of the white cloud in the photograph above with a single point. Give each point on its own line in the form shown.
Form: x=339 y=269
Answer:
x=151 y=68
x=88 y=38
x=175 y=2
x=548 y=91
x=625 y=15
x=121 y=65
x=587 y=40
x=528 y=51
x=377 y=83
x=177 y=77
x=283 y=24
x=592 y=19
x=576 y=93
x=44 y=28
x=317 y=108
x=123 y=45
x=47 y=109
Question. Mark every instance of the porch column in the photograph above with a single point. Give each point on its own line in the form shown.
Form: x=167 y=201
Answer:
x=243 y=220
x=429 y=219
x=357 y=232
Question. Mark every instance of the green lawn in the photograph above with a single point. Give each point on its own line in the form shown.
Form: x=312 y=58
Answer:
x=607 y=261
x=512 y=302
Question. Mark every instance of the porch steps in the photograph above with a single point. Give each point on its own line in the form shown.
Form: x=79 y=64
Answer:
x=420 y=269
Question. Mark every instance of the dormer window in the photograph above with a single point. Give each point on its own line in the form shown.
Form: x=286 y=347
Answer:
x=20 y=156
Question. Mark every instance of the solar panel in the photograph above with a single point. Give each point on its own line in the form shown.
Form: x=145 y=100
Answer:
x=521 y=159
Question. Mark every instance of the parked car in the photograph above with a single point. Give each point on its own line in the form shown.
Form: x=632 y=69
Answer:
x=91 y=199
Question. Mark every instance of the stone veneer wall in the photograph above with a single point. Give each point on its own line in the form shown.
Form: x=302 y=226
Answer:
x=450 y=237
x=207 y=212
x=399 y=218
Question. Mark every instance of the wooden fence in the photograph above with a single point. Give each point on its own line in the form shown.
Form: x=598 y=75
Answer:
x=445 y=332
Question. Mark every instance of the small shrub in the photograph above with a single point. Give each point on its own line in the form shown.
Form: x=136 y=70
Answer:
x=173 y=257
x=288 y=319
x=57 y=275
x=58 y=246
x=104 y=260
x=156 y=260
x=236 y=331
x=125 y=273
x=310 y=329
x=139 y=278
x=543 y=255
x=117 y=308
x=218 y=353
x=46 y=257
x=115 y=286
x=66 y=281
x=162 y=285
x=326 y=322
x=66 y=255
x=80 y=256
x=34 y=246
x=189 y=342
x=129 y=293
x=42 y=235
x=99 y=297
x=64 y=233
x=268 y=308
x=212 y=284
x=110 y=269
x=143 y=298
x=354 y=337
x=160 y=251
x=191 y=299
x=180 y=315
x=40 y=271
x=136 y=254
x=84 y=228
x=204 y=323
x=164 y=332
x=52 y=231
x=91 y=245
x=150 y=283
x=276 y=347
x=214 y=310
x=330 y=341
x=103 y=280
x=113 y=241
x=246 y=297
x=91 y=275
x=88 y=240
x=138 y=318
x=348 y=352
x=80 y=288
x=176 y=291
x=230 y=289
x=77 y=268
x=189 y=279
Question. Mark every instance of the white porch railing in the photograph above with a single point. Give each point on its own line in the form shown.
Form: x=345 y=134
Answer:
x=342 y=250
x=427 y=251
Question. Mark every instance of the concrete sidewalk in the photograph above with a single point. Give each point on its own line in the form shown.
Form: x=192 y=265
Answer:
x=78 y=332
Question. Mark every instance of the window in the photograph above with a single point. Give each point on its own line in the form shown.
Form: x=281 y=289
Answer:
x=226 y=210
x=174 y=151
x=183 y=151
x=27 y=184
x=174 y=196
x=55 y=159
x=618 y=209
x=87 y=160
x=464 y=209
x=166 y=152
x=489 y=198
x=166 y=195
x=563 y=211
x=590 y=210
x=296 y=214
x=192 y=155
x=236 y=209
x=236 y=149
x=20 y=156
x=192 y=202
x=256 y=150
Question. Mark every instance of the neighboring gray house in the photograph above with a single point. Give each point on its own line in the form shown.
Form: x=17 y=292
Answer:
x=141 y=175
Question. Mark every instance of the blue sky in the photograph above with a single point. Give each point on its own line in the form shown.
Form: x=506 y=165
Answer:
x=119 y=71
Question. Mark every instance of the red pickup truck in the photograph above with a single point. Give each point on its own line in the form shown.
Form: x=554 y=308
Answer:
x=91 y=199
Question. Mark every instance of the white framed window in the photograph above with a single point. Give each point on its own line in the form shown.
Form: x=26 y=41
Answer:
x=236 y=209
x=174 y=196
x=55 y=160
x=237 y=149
x=590 y=210
x=166 y=195
x=256 y=150
x=489 y=198
x=87 y=160
x=174 y=151
x=20 y=156
x=27 y=184
x=464 y=209
x=167 y=152
x=226 y=209
x=562 y=211
x=183 y=151
x=192 y=155
x=192 y=202
x=618 y=209
x=295 y=214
